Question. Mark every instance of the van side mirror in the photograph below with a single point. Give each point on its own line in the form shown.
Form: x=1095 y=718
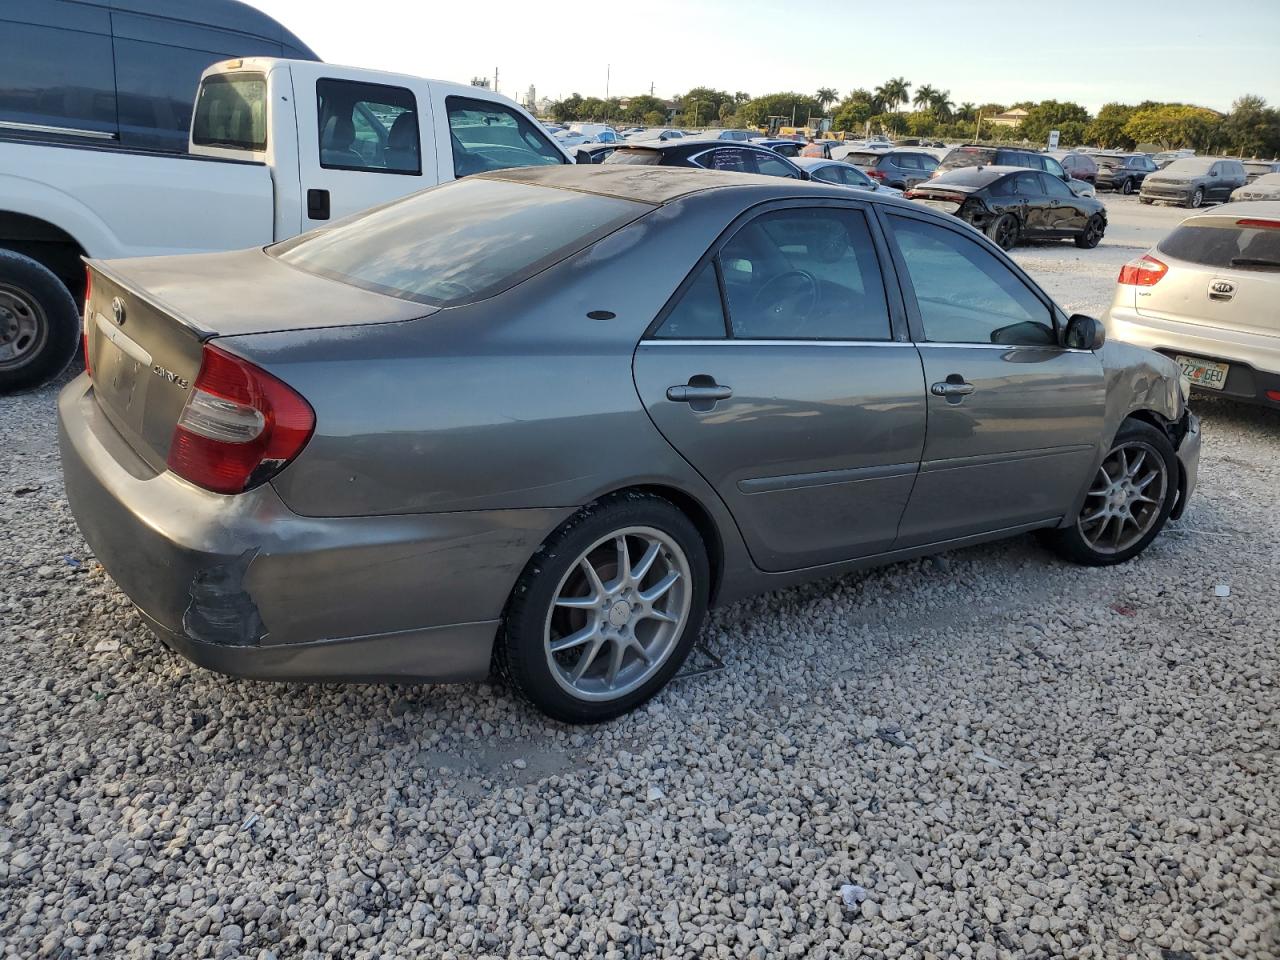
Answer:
x=1085 y=333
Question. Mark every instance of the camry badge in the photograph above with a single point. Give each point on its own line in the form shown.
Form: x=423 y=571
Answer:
x=117 y=311
x=169 y=375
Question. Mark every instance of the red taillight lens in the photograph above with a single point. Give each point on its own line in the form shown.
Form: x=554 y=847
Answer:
x=84 y=330
x=1273 y=395
x=1146 y=271
x=1259 y=224
x=878 y=174
x=240 y=425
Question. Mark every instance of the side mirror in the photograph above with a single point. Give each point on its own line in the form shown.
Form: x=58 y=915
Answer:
x=1085 y=333
x=583 y=156
x=1066 y=177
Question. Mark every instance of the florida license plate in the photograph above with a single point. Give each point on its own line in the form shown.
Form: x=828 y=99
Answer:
x=1204 y=373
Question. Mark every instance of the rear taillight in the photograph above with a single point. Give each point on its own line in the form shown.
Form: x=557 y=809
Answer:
x=1256 y=224
x=878 y=174
x=84 y=330
x=1146 y=271
x=240 y=425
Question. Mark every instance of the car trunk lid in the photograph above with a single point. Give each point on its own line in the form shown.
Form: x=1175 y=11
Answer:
x=147 y=320
x=1224 y=272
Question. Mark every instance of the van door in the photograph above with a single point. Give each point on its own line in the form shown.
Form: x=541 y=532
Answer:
x=359 y=143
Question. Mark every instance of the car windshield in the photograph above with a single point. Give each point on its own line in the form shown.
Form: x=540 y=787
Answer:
x=863 y=158
x=460 y=242
x=964 y=177
x=1246 y=244
x=1190 y=166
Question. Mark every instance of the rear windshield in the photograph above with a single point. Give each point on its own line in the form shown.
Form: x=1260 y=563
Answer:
x=863 y=159
x=231 y=111
x=460 y=242
x=650 y=158
x=1248 y=244
x=969 y=157
x=1192 y=166
x=964 y=177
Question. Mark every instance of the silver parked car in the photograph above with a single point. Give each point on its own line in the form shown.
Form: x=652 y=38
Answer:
x=543 y=418
x=1208 y=295
x=1266 y=187
x=842 y=173
x=1193 y=181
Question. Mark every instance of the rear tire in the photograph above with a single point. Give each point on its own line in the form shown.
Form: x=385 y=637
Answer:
x=1003 y=231
x=1127 y=186
x=39 y=323
x=1129 y=501
x=1093 y=231
x=612 y=628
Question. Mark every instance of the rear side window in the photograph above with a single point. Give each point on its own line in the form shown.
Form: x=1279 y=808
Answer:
x=700 y=313
x=232 y=112
x=369 y=127
x=970 y=157
x=460 y=242
x=726 y=158
x=59 y=76
x=965 y=294
x=491 y=136
x=1248 y=244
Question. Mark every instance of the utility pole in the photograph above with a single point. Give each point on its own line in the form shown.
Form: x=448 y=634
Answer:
x=977 y=130
x=651 y=88
x=495 y=79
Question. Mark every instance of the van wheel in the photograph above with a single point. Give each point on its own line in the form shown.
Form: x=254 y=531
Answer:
x=39 y=323
x=1129 y=499
x=1003 y=231
x=607 y=610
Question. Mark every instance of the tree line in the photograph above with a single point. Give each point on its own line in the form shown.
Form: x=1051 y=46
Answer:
x=1251 y=128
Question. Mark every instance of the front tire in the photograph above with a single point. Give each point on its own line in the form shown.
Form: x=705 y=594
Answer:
x=1003 y=231
x=607 y=610
x=1196 y=200
x=39 y=323
x=1129 y=499
x=1092 y=235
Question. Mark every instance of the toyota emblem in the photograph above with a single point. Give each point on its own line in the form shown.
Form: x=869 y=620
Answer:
x=117 y=311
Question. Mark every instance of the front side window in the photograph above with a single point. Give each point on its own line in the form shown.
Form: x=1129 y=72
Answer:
x=828 y=175
x=231 y=111
x=965 y=294
x=700 y=313
x=805 y=274
x=369 y=127
x=460 y=242
x=1055 y=187
x=490 y=136
x=1053 y=167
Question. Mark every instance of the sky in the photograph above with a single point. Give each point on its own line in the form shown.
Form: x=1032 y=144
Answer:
x=982 y=51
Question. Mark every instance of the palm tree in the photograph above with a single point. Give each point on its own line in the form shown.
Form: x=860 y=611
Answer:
x=968 y=110
x=825 y=97
x=893 y=92
x=925 y=95
x=941 y=105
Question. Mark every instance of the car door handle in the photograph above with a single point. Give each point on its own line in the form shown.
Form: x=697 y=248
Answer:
x=695 y=393
x=952 y=388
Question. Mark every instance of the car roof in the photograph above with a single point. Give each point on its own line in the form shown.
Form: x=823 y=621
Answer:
x=986 y=173
x=1241 y=209
x=658 y=185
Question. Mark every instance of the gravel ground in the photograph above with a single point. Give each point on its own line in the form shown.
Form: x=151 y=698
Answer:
x=1011 y=757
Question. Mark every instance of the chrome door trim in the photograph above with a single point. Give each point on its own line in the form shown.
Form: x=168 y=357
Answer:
x=743 y=341
x=45 y=128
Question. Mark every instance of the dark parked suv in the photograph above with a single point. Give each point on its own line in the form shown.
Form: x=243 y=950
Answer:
x=1123 y=172
x=710 y=154
x=972 y=155
x=901 y=169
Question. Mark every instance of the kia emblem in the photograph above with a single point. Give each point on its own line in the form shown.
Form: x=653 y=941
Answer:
x=117 y=311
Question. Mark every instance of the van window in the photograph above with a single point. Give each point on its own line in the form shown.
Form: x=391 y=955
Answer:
x=367 y=126
x=492 y=136
x=232 y=112
x=66 y=77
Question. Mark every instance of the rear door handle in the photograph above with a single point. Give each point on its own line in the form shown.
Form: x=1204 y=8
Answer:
x=953 y=388
x=688 y=393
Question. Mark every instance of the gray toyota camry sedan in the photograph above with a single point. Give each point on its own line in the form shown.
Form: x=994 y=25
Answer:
x=541 y=419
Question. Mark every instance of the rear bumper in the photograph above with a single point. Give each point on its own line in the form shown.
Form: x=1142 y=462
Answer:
x=1254 y=359
x=245 y=586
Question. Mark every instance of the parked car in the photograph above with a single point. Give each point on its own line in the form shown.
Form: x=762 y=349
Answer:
x=1266 y=187
x=1162 y=160
x=596 y=132
x=1079 y=166
x=124 y=74
x=900 y=169
x=767 y=381
x=1123 y=172
x=787 y=148
x=972 y=156
x=594 y=152
x=740 y=136
x=711 y=155
x=1011 y=204
x=843 y=174
x=1206 y=296
x=657 y=133
x=1254 y=169
x=277 y=147
x=571 y=139
x=1192 y=181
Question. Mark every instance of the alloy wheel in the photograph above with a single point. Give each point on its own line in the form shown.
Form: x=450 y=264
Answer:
x=618 y=613
x=23 y=328
x=1126 y=497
